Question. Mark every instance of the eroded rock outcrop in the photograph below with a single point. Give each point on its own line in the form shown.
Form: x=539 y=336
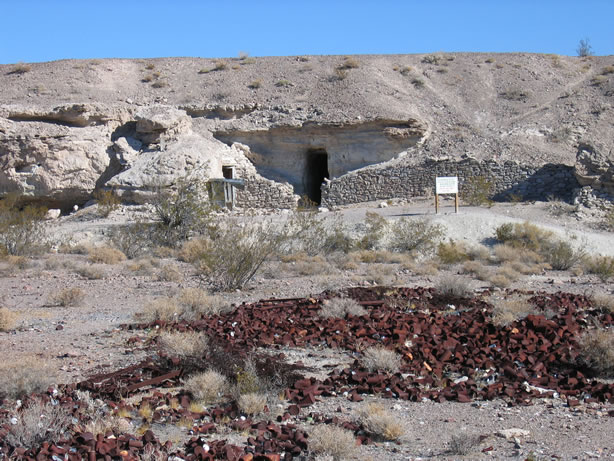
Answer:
x=595 y=167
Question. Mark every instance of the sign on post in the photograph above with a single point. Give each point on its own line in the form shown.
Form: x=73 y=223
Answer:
x=446 y=185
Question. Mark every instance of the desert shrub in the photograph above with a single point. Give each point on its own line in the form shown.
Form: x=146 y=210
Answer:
x=528 y=236
x=182 y=211
x=255 y=84
x=7 y=319
x=349 y=63
x=67 y=297
x=597 y=352
x=306 y=231
x=106 y=255
x=340 y=307
x=134 y=239
x=415 y=235
x=452 y=252
x=585 y=48
x=381 y=274
x=189 y=347
x=143 y=266
x=238 y=252
x=381 y=256
x=603 y=301
x=333 y=441
x=509 y=253
x=478 y=191
x=380 y=423
x=21 y=68
x=159 y=84
x=561 y=255
x=509 y=310
x=417 y=82
x=312 y=265
x=454 y=286
x=252 y=403
x=170 y=273
x=91 y=272
x=478 y=269
x=379 y=358
x=107 y=202
x=463 y=444
x=431 y=59
x=283 y=83
x=599 y=80
x=22 y=228
x=515 y=94
x=339 y=74
x=499 y=280
x=207 y=387
x=220 y=65
x=25 y=376
x=197 y=302
x=165 y=309
x=602 y=266
x=36 y=423
x=374 y=227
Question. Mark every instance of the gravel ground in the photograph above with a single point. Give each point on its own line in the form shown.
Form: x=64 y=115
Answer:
x=79 y=341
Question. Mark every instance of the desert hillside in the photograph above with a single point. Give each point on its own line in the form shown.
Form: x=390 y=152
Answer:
x=68 y=127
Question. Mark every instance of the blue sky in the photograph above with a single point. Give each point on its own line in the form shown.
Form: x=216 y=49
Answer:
x=46 y=30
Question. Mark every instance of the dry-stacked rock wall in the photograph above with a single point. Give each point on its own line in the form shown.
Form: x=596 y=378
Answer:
x=509 y=180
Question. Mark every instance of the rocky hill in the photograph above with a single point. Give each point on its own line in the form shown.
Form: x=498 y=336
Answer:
x=287 y=124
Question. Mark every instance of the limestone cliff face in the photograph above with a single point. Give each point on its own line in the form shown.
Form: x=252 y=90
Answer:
x=69 y=127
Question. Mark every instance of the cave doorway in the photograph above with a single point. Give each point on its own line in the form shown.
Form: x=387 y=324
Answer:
x=315 y=172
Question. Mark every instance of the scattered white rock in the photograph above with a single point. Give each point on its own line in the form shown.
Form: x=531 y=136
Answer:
x=512 y=433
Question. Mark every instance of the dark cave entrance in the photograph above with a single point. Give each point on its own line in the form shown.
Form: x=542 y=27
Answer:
x=315 y=172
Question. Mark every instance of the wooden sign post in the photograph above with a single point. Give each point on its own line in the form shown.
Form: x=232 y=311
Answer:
x=446 y=185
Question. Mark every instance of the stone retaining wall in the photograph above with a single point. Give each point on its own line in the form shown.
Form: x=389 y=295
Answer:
x=510 y=180
x=263 y=193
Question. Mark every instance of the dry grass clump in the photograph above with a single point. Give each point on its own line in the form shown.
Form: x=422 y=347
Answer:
x=429 y=267
x=603 y=301
x=340 y=307
x=380 y=423
x=23 y=377
x=183 y=345
x=334 y=441
x=194 y=249
x=454 y=286
x=381 y=274
x=597 y=351
x=379 y=358
x=197 y=302
x=509 y=310
x=252 y=403
x=505 y=253
x=36 y=423
x=452 y=252
x=106 y=255
x=8 y=319
x=479 y=270
x=602 y=266
x=21 y=68
x=68 y=297
x=207 y=387
x=143 y=266
x=165 y=309
x=91 y=272
x=382 y=256
x=170 y=273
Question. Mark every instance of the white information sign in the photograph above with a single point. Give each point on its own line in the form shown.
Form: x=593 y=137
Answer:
x=446 y=185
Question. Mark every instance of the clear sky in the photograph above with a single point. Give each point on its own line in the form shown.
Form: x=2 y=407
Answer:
x=46 y=30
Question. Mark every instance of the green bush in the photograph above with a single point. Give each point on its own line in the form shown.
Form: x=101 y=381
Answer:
x=415 y=235
x=478 y=191
x=374 y=228
x=22 y=228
